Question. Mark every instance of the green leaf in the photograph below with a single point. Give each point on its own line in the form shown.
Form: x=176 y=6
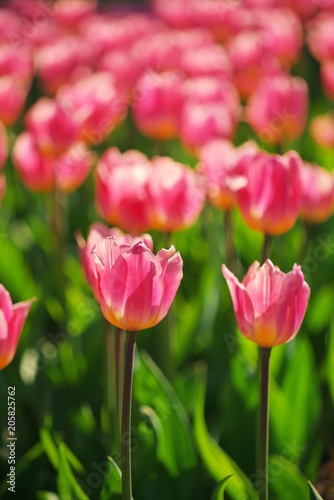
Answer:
x=215 y=460
x=112 y=483
x=47 y=495
x=218 y=494
x=285 y=480
x=175 y=448
x=49 y=447
x=330 y=361
x=68 y=486
x=314 y=495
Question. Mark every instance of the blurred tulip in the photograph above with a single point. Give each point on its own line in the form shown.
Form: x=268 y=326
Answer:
x=41 y=173
x=94 y=104
x=220 y=162
x=327 y=77
x=277 y=110
x=252 y=60
x=3 y=145
x=303 y=8
x=322 y=130
x=53 y=130
x=12 y=98
x=320 y=36
x=269 y=193
x=96 y=234
x=176 y=195
x=156 y=104
x=12 y=321
x=17 y=63
x=209 y=60
x=70 y=14
x=135 y=287
x=317 y=193
x=121 y=189
x=269 y=305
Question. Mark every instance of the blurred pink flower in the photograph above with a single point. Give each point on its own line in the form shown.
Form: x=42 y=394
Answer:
x=12 y=99
x=220 y=162
x=18 y=63
x=156 y=104
x=317 y=193
x=96 y=234
x=303 y=8
x=269 y=305
x=52 y=128
x=38 y=172
x=135 y=287
x=208 y=60
x=176 y=195
x=253 y=59
x=277 y=110
x=322 y=130
x=3 y=185
x=3 y=145
x=320 y=36
x=13 y=317
x=94 y=105
x=269 y=193
x=121 y=189
x=70 y=14
x=327 y=77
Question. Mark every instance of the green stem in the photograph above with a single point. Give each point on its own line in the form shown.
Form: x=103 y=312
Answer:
x=112 y=421
x=119 y=367
x=264 y=423
x=266 y=248
x=130 y=344
x=229 y=248
x=58 y=228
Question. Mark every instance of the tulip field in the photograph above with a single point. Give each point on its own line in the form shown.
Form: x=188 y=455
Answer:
x=167 y=250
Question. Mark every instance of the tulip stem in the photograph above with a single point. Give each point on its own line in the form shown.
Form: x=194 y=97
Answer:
x=58 y=228
x=119 y=367
x=264 y=423
x=266 y=248
x=130 y=344
x=229 y=248
x=113 y=422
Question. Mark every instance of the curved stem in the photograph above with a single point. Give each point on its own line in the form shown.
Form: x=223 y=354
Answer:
x=130 y=344
x=264 y=423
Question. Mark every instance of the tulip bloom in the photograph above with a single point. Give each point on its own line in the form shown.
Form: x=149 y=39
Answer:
x=135 y=287
x=13 y=317
x=13 y=94
x=269 y=305
x=121 y=189
x=277 y=110
x=176 y=195
x=269 y=193
x=317 y=193
x=322 y=130
x=97 y=233
x=220 y=162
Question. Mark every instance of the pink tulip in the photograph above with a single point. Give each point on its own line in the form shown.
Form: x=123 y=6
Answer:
x=317 y=193
x=176 y=195
x=269 y=193
x=62 y=60
x=43 y=173
x=327 y=77
x=94 y=104
x=53 y=129
x=209 y=60
x=125 y=75
x=320 y=36
x=156 y=104
x=220 y=162
x=303 y=8
x=16 y=62
x=13 y=94
x=277 y=110
x=3 y=145
x=70 y=14
x=269 y=305
x=96 y=234
x=121 y=189
x=12 y=321
x=135 y=287
x=252 y=59
x=322 y=130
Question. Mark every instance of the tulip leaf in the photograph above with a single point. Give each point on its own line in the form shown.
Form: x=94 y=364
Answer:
x=218 y=494
x=301 y=387
x=47 y=495
x=314 y=495
x=112 y=483
x=49 y=447
x=175 y=448
x=216 y=461
x=285 y=479
x=68 y=486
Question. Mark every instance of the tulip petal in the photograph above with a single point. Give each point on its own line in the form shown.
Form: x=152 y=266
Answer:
x=6 y=306
x=171 y=263
x=291 y=306
x=242 y=303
